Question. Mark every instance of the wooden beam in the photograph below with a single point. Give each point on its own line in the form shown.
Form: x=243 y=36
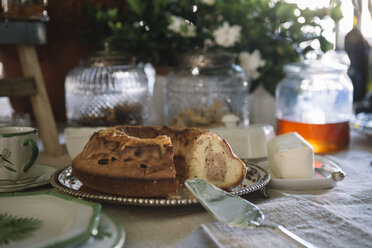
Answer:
x=40 y=102
x=18 y=87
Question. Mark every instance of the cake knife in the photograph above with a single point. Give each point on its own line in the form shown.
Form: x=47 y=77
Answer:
x=235 y=211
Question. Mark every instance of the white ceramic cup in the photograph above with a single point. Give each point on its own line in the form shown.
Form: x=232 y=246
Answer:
x=18 y=152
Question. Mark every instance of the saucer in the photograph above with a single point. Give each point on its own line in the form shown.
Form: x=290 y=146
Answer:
x=42 y=174
x=326 y=174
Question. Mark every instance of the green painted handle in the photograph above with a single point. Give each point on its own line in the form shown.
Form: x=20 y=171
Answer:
x=34 y=153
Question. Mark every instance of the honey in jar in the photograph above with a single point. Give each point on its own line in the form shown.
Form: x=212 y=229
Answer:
x=324 y=138
x=315 y=100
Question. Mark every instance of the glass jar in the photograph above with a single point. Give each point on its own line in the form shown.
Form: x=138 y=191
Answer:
x=106 y=90
x=315 y=100
x=204 y=88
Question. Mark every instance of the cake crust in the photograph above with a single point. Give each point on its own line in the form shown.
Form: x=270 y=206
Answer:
x=128 y=186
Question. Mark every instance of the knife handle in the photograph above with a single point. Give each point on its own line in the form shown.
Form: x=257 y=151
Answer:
x=290 y=236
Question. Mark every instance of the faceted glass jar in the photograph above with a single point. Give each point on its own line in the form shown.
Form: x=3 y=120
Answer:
x=203 y=89
x=106 y=90
x=315 y=100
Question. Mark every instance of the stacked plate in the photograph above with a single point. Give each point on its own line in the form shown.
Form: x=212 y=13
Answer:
x=48 y=219
x=38 y=175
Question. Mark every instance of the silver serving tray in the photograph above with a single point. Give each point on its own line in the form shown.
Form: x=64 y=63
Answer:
x=256 y=179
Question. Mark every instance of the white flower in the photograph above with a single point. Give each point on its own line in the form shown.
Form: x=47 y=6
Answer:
x=250 y=63
x=191 y=31
x=227 y=35
x=182 y=27
x=176 y=24
x=209 y=2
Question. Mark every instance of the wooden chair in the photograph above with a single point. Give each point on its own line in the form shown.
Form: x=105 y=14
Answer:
x=32 y=85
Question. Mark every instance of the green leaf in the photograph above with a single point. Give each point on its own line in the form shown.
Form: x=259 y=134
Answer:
x=336 y=13
x=9 y=168
x=115 y=26
x=285 y=11
x=137 y=6
x=14 y=228
x=324 y=44
x=112 y=13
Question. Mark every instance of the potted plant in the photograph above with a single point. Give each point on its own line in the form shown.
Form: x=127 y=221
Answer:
x=264 y=34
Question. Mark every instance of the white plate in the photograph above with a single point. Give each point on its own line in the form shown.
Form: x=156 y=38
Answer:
x=324 y=177
x=111 y=234
x=46 y=219
x=42 y=172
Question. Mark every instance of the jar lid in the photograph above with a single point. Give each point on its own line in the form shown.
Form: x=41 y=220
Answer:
x=315 y=66
x=107 y=58
x=207 y=59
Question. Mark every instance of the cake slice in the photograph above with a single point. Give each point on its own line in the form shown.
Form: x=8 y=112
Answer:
x=116 y=163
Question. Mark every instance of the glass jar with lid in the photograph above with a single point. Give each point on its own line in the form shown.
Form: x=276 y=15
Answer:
x=107 y=89
x=315 y=100
x=204 y=88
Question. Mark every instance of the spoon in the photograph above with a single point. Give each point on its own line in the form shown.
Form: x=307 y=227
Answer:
x=235 y=211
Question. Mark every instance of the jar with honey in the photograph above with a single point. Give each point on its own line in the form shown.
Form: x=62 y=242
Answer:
x=315 y=100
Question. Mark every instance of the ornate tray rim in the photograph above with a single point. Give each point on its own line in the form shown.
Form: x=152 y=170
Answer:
x=141 y=201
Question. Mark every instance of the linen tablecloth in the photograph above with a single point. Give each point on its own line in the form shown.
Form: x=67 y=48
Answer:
x=337 y=217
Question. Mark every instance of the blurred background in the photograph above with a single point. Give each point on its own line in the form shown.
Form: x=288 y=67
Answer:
x=66 y=43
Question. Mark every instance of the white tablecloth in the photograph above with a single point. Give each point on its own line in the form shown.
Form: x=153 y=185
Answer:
x=336 y=217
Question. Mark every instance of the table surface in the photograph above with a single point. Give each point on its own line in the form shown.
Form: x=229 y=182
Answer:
x=337 y=217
